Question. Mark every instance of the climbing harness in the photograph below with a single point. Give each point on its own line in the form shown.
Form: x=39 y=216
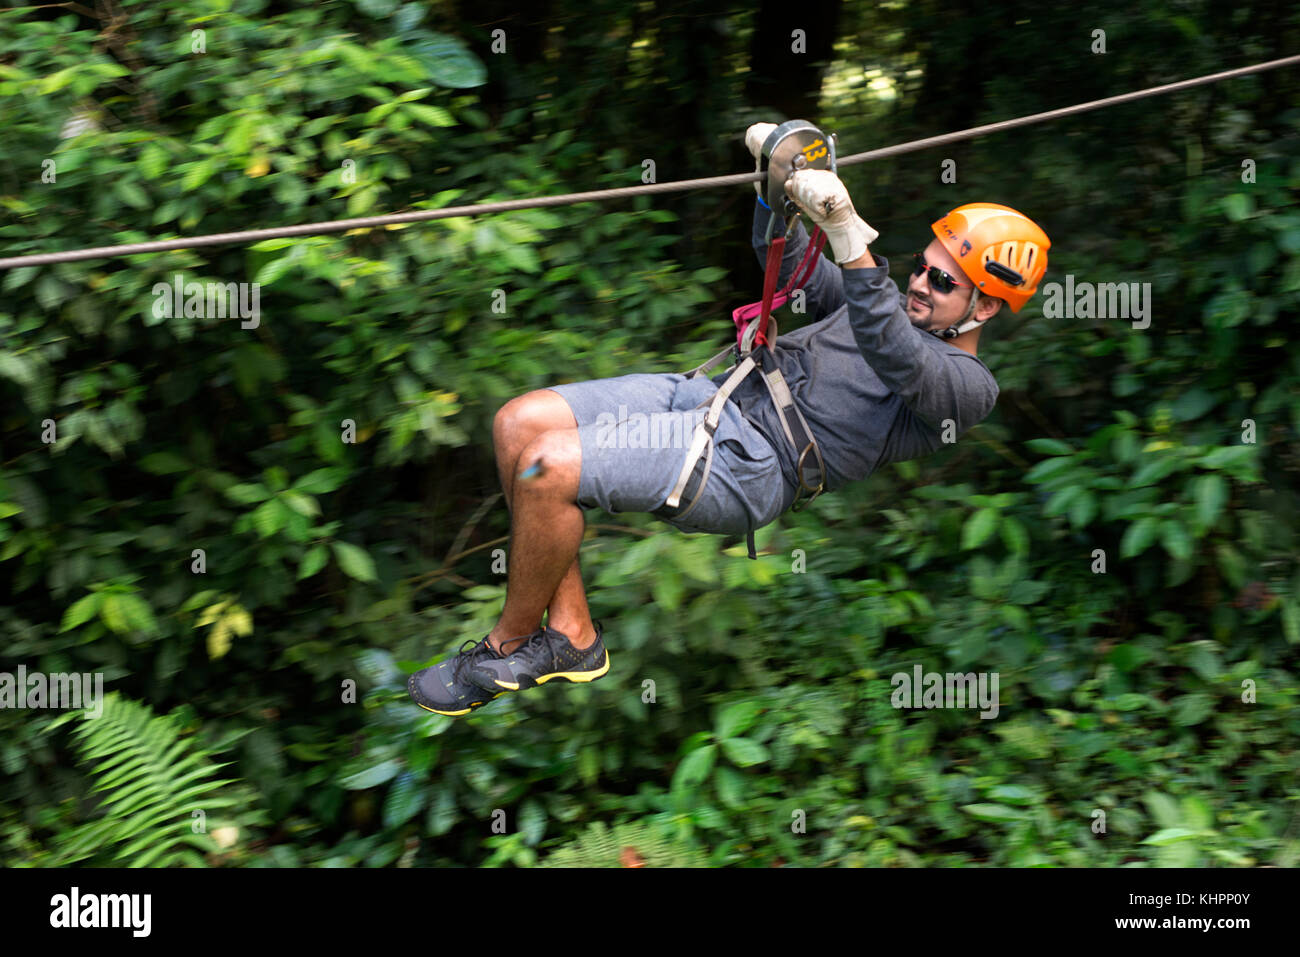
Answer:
x=792 y=146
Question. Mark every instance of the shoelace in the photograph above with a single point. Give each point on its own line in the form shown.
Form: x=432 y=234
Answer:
x=467 y=656
x=534 y=650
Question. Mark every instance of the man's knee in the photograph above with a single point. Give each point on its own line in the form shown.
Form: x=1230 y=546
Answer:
x=552 y=461
x=525 y=417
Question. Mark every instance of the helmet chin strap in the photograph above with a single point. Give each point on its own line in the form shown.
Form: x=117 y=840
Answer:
x=962 y=326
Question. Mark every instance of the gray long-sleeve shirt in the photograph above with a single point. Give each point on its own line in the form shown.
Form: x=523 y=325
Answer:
x=873 y=388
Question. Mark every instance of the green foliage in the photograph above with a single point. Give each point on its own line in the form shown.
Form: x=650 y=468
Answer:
x=246 y=525
x=158 y=787
x=634 y=844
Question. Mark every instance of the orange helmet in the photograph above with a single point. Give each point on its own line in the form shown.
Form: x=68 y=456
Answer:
x=1004 y=252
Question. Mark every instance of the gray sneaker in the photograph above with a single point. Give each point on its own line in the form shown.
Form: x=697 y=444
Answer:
x=547 y=654
x=447 y=687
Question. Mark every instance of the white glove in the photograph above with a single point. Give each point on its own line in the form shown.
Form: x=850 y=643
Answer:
x=755 y=137
x=825 y=200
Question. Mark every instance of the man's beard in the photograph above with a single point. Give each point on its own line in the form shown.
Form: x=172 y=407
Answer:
x=925 y=319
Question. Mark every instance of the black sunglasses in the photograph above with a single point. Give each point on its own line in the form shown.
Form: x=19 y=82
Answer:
x=938 y=279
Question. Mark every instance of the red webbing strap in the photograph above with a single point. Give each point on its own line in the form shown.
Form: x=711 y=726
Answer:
x=775 y=253
x=808 y=265
x=762 y=310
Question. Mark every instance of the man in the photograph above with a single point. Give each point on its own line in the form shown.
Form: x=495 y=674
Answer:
x=877 y=376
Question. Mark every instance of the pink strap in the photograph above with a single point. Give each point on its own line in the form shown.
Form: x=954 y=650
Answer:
x=771 y=298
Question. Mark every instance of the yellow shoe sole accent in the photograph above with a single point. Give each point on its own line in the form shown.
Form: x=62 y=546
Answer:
x=576 y=676
x=456 y=714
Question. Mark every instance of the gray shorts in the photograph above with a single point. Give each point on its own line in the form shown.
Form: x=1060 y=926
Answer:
x=635 y=432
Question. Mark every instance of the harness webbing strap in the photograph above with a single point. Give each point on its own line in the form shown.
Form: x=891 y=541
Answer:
x=796 y=430
x=762 y=310
x=775 y=253
x=793 y=424
x=754 y=351
x=704 y=432
x=709 y=365
x=781 y=396
x=704 y=477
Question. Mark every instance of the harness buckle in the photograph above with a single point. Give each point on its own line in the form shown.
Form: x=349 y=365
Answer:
x=799 y=501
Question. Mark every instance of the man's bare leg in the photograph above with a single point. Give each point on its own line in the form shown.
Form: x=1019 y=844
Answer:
x=545 y=533
x=515 y=427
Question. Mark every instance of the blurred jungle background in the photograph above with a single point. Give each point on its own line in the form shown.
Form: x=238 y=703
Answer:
x=746 y=720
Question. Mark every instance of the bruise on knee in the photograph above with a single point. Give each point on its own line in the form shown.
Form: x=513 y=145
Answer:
x=552 y=461
x=534 y=471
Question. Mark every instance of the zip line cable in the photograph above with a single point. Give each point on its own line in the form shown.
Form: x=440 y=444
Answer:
x=708 y=182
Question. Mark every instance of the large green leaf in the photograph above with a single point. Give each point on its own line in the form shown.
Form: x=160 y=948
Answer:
x=81 y=611
x=1163 y=809
x=737 y=718
x=447 y=60
x=744 y=752
x=313 y=561
x=1210 y=492
x=1192 y=708
x=979 y=527
x=998 y=813
x=695 y=767
x=372 y=776
x=1138 y=536
x=405 y=800
x=354 y=561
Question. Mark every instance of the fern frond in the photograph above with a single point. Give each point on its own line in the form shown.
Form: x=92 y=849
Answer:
x=650 y=846
x=153 y=781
